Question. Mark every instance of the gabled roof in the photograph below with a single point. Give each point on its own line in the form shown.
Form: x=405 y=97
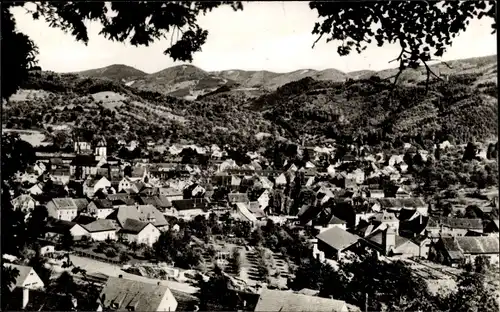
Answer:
x=24 y=272
x=83 y=219
x=458 y=246
x=103 y=203
x=100 y=225
x=149 y=212
x=242 y=208
x=59 y=226
x=401 y=202
x=238 y=197
x=142 y=296
x=187 y=204
x=338 y=238
x=81 y=203
x=159 y=201
x=64 y=203
x=456 y=223
x=133 y=226
x=84 y=161
x=276 y=300
x=335 y=220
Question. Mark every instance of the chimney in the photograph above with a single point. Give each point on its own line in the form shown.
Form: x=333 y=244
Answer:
x=26 y=297
x=120 y=276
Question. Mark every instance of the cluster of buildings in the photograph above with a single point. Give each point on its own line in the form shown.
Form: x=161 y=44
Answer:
x=355 y=203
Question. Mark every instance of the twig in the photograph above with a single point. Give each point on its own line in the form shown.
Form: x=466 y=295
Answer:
x=429 y=73
x=319 y=38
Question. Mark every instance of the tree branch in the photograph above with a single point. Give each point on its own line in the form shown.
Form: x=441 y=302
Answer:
x=319 y=38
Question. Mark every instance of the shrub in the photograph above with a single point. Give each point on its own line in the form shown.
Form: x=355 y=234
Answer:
x=110 y=253
x=124 y=257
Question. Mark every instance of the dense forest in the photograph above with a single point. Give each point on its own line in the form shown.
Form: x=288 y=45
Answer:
x=369 y=111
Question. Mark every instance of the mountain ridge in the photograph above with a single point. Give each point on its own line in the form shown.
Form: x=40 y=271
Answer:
x=189 y=81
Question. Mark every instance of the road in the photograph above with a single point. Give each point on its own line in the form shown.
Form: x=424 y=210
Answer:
x=95 y=266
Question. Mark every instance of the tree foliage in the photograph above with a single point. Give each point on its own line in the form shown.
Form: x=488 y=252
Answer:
x=422 y=29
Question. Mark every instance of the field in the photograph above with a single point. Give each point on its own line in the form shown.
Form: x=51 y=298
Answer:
x=34 y=137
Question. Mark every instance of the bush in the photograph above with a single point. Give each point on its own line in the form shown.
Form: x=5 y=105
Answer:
x=124 y=257
x=110 y=253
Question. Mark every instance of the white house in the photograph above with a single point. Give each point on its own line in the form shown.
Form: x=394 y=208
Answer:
x=100 y=208
x=35 y=190
x=24 y=203
x=91 y=186
x=264 y=199
x=140 y=232
x=27 y=279
x=62 y=209
x=101 y=230
x=280 y=180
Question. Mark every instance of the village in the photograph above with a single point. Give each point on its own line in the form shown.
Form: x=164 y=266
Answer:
x=142 y=227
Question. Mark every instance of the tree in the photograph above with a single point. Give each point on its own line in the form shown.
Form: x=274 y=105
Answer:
x=481 y=264
x=470 y=152
x=38 y=264
x=436 y=24
x=473 y=295
x=67 y=240
x=214 y=294
x=9 y=276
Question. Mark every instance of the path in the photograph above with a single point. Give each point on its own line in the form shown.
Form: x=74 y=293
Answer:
x=95 y=266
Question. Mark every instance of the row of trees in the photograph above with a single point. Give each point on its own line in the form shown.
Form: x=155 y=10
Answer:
x=392 y=285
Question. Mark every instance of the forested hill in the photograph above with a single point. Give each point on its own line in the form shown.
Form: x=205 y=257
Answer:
x=365 y=111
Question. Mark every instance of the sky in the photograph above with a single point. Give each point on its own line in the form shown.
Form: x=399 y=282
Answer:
x=274 y=36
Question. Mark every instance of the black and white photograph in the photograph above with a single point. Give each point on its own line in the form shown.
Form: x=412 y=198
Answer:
x=336 y=156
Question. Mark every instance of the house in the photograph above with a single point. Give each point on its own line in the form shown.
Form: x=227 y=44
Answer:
x=446 y=226
x=190 y=208
x=26 y=280
x=333 y=242
x=36 y=189
x=396 y=204
x=130 y=187
x=492 y=227
x=57 y=228
x=243 y=213
x=81 y=204
x=82 y=147
x=100 y=149
x=277 y=300
x=402 y=193
x=171 y=193
x=263 y=199
x=335 y=222
x=83 y=166
x=24 y=203
x=160 y=202
x=101 y=230
x=455 y=251
x=62 y=209
x=280 y=180
x=376 y=193
x=357 y=175
x=61 y=175
x=143 y=213
x=92 y=185
x=100 y=208
x=139 y=232
x=234 y=198
x=387 y=242
x=120 y=294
